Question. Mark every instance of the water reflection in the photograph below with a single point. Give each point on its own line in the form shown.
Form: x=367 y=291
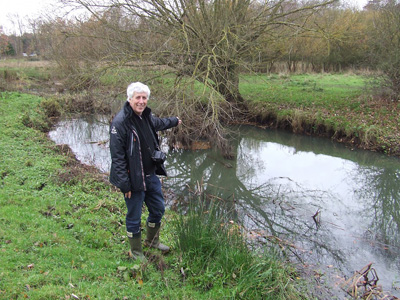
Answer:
x=278 y=182
x=88 y=138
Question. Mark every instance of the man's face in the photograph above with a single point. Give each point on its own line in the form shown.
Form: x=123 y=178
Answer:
x=138 y=102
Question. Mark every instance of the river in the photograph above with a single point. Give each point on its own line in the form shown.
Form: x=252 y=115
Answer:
x=335 y=209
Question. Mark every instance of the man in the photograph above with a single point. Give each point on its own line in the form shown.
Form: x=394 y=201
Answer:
x=134 y=168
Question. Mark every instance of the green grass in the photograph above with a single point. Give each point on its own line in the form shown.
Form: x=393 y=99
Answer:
x=307 y=90
x=31 y=73
x=220 y=260
x=340 y=106
x=62 y=232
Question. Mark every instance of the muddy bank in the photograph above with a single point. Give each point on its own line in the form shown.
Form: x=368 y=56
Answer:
x=309 y=126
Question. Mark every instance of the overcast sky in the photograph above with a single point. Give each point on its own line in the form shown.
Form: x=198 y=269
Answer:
x=24 y=9
x=32 y=9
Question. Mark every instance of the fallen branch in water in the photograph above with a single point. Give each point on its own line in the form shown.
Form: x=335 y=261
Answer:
x=364 y=285
x=317 y=218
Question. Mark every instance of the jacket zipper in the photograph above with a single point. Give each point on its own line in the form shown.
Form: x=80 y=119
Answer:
x=140 y=155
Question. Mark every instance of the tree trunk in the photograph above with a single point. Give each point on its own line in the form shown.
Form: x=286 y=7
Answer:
x=226 y=82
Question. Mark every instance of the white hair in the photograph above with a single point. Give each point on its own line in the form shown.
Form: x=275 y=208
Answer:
x=137 y=87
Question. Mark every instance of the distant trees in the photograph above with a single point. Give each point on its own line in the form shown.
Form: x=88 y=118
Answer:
x=12 y=45
x=6 y=48
x=9 y=51
x=326 y=43
x=4 y=43
x=384 y=43
x=335 y=41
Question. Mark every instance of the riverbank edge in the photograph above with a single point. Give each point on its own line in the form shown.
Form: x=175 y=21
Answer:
x=305 y=123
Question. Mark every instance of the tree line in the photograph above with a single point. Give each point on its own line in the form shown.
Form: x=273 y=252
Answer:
x=261 y=36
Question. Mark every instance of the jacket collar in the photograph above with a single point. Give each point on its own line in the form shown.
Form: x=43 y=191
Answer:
x=129 y=111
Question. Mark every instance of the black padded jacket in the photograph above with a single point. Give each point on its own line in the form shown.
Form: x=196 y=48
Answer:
x=126 y=162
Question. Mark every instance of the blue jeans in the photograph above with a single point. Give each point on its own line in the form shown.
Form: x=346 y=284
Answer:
x=154 y=200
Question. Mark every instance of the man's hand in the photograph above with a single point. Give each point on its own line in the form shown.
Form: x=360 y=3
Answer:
x=128 y=195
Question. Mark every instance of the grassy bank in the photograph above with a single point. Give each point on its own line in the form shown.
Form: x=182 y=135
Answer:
x=62 y=233
x=344 y=107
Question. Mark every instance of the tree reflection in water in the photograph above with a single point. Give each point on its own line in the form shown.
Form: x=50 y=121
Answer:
x=358 y=208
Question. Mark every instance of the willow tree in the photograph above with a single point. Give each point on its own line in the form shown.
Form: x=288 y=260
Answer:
x=208 y=41
x=205 y=39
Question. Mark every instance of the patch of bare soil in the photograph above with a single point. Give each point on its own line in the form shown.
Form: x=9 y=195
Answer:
x=74 y=171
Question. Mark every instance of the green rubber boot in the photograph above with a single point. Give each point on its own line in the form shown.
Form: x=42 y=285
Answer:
x=153 y=237
x=135 y=241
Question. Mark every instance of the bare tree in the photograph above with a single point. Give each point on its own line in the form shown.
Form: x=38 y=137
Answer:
x=206 y=41
x=385 y=43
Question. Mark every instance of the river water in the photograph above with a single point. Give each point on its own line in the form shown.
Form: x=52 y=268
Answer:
x=335 y=209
